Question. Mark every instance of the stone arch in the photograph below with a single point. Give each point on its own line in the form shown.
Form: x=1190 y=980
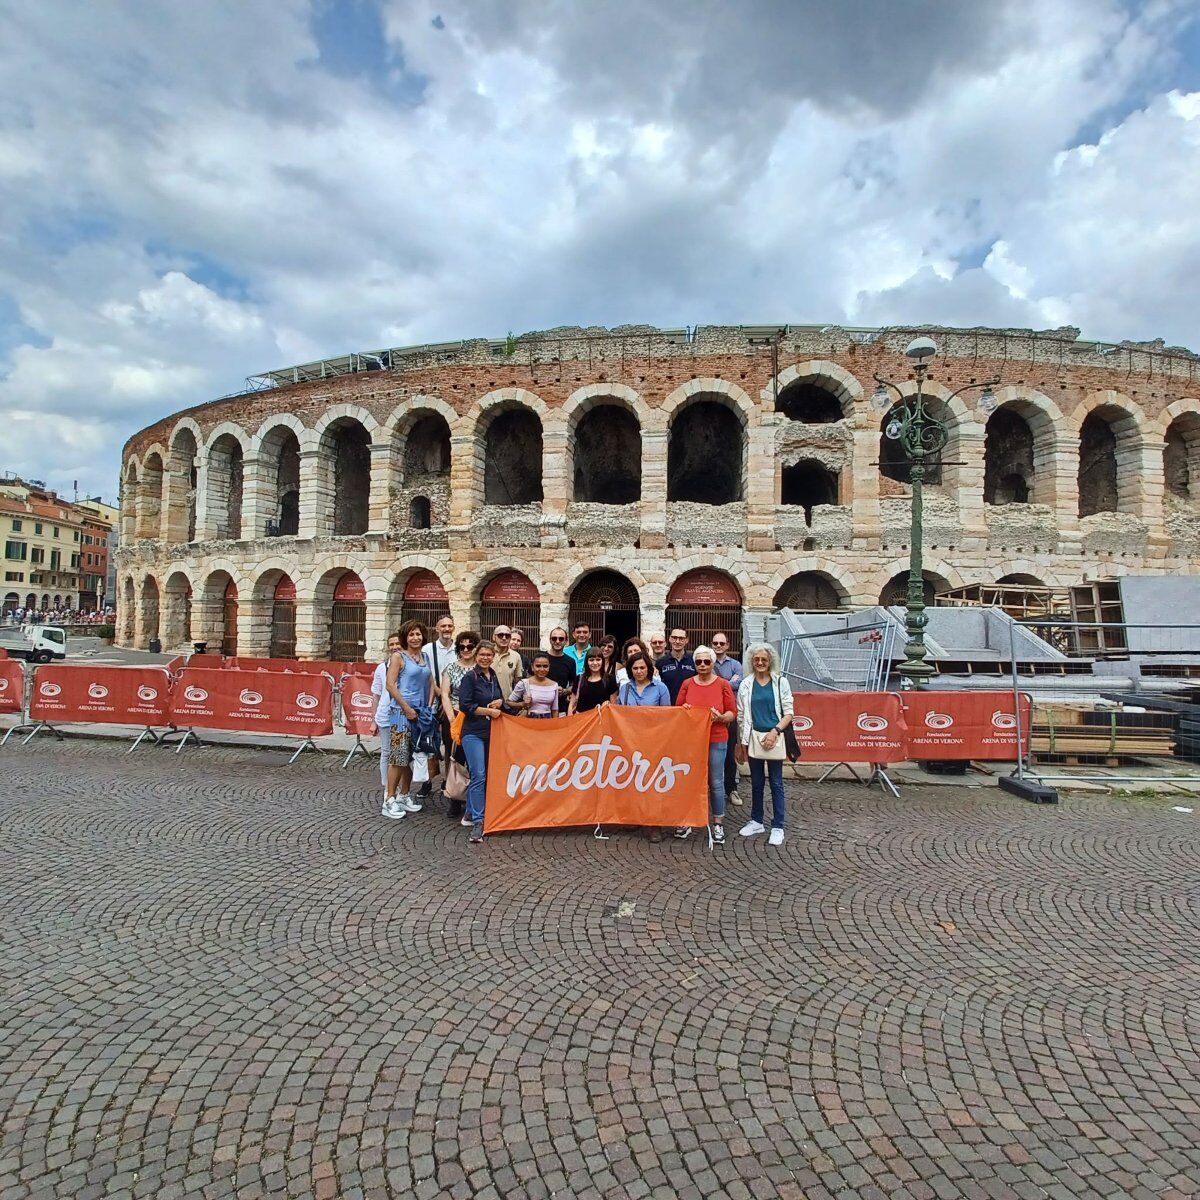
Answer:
x=707 y=443
x=608 y=600
x=420 y=434
x=344 y=468
x=935 y=570
x=182 y=482
x=342 y=412
x=215 y=613
x=303 y=434
x=513 y=437
x=811 y=591
x=177 y=609
x=1181 y=457
x=704 y=599
x=150 y=494
x=764 y=591
x=225 y=460
x=401 y=609
x=273 y=608
x=1035 y=459
x=820 y=375
x=808 y=483
x=604 y=447
x=961 y=428
x=279 y=450
x=1021 y=579
x=1110 y=429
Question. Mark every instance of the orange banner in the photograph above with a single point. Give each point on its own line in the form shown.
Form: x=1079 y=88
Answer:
x=964 y=725
x=103 y=695
x=611 y=766
x=12 y=685
x=850 y=727
x=262 y=701
x=358 y=705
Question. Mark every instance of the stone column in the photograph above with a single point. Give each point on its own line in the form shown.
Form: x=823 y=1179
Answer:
x=258 y=495
x=254 y=626
x=967 y=447
x=863 y=495
x=378 y=623
x=553 y=613
x=316 y=494
x=556 y=484
x=1063 y=464
x=203 y=531
x=312 y=628
x=760 y=480
x=466 y=466
x=654 y=482
x=383 y=467
x=1152 y=479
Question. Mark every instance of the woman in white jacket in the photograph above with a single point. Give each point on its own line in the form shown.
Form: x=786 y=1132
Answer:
x=764 y=704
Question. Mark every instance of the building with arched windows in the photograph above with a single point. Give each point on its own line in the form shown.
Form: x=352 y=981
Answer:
x=635 y=477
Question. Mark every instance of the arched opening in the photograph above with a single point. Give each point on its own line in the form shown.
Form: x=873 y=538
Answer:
x=181 y=497
x=810 y=591
x=893 y=461
x=12 y=601
x=608 y=602
x=177 y=611
x=420 y=513
x=126 y=611
x=606 y=450
x=705 y=454
x=283 y=619
x=150 y=609
x=57 y=603
x=46 y=602
x=346 y=445
x=807 y=484
x=809 y=403
x=150 y=498
x=129 y=504
x=348 y=620
x=1181 y=457
x=1098 y=491
x=512 y=468
x=706 y=601
x=423 y=599
x=281 y=461
x=229 y=620
x=1008 y=461
x=31 y=601
x=510 y=598
x=1021 y=579
x=895 y=591
x=224 y=493
x=427 y=448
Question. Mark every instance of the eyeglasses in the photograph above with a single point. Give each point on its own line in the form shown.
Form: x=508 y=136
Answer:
x=558 y=639
x=467 y=645
x=502 y=635
x=721 y=644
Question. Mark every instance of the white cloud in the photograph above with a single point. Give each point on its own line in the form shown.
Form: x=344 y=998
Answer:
x=190 y=196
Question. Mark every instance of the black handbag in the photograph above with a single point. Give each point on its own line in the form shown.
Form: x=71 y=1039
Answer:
x=789 y=733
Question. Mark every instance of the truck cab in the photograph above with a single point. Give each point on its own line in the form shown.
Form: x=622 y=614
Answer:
x=38 y=644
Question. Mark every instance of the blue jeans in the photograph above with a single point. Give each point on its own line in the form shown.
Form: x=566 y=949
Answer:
x=716 y=779
x=774 y=773
x=476 y=750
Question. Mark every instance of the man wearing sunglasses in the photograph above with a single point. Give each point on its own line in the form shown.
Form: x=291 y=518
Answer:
x=731 y=671
x=507 y=663
x=562 y=667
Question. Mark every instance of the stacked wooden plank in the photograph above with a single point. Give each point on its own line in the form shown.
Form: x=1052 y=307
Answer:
x=1113 y=734
x=1184 y=706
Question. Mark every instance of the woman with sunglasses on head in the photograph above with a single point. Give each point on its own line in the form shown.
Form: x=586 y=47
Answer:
x=596 y=685
x=537 y=695
x=463 y=661
x=608 y=647
x=481 y=701
x=764 y=712
x=706 y=689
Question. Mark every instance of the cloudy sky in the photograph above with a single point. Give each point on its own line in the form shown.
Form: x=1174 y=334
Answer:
x=192 y=193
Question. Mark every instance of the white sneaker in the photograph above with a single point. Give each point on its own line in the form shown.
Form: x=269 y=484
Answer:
x=409 y=804
x=388 y=801
x=751 y=828
x=776 y=838
x=394 y=810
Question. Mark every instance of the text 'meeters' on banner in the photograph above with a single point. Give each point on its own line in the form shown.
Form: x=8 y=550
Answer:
x=850 y=727
x=12 y=685
x=358 y=705
x=611 y=766
x=965 y=725
x=102 y=695
x=259 y=701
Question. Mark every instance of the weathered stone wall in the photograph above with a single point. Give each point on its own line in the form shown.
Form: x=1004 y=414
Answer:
x=658 y=375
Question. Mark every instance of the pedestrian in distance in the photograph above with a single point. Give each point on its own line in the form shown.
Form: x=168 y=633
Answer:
x=481 y=701
x=706 y=689
x=596 y=685
x=764 y=711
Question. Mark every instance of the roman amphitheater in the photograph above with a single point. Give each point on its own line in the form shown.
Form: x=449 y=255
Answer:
x=639 y=477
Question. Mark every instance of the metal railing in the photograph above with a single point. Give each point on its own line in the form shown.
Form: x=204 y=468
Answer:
x=854 y=659
x=1131 y=714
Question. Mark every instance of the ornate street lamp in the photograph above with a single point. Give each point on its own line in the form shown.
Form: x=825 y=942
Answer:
x=922 y=437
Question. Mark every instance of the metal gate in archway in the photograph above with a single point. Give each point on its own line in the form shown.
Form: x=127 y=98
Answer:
x=424 y=600
x=283 y=620
x=608 y=602
x=348 y=620
x=511 y=598
x=705 y=602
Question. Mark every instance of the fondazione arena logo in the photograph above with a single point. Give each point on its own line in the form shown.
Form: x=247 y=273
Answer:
x=360 y=700
x=1004 y=720
x=304 y=700
x=97 y=691
x=195 y=695
x=937 y=720
x=871 y=723
x=49 y=690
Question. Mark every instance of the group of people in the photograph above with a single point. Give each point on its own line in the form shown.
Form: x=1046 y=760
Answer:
x=438 y=697
x=27 y=617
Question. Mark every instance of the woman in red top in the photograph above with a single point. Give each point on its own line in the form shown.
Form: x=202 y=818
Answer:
x=706 y=689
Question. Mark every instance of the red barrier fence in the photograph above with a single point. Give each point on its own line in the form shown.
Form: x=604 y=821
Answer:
x=850 y=727
x=297 y=666
x=358 y=705
x=3 y=653
x=253 y=701
x=205 y=662
x=12 y=685
x=964 y=725
x=105 y=695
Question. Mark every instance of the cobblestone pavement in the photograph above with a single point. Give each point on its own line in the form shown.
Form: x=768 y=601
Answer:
x=221 y=976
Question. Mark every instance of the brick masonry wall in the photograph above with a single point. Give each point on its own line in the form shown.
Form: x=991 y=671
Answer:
x=558 y=375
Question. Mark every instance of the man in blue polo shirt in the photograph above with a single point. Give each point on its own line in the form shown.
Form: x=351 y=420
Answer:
x=582 y=634
x=676 y=665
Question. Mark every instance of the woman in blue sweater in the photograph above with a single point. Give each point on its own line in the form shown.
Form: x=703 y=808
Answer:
x=480 y=700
